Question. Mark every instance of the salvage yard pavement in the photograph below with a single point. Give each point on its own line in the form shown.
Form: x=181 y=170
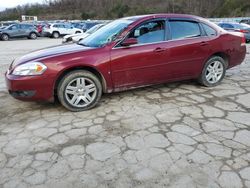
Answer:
x=170 y=135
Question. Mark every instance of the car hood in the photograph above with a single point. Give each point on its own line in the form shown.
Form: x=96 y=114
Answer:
x=48 y=52
x=82 y=36
x=75 y=35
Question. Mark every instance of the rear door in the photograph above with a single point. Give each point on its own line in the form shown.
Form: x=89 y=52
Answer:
x=23 y=30
x=188 y=48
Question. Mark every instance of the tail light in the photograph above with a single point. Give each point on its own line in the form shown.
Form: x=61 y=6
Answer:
x=243 y=40
x=244 y=31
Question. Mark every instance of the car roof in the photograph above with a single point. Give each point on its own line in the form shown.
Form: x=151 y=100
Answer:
x=166 y=15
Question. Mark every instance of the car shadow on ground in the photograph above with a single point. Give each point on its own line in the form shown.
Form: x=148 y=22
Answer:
x=108 y=97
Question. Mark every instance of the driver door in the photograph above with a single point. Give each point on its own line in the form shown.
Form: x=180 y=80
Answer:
x=143 y=63
x=13 y=31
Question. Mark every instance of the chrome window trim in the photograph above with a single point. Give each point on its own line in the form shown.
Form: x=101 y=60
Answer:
x=163 y=19
x=170 y=40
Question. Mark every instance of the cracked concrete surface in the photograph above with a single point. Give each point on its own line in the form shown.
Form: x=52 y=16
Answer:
x=170 y=135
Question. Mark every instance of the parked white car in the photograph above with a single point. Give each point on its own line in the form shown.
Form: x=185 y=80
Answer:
x=58 y=29
x=77 y=37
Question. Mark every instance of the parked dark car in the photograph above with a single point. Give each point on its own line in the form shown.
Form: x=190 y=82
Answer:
x=245 y=21
x=236 y=27
x=18 y=31
x=88 y=25
x=125 y=54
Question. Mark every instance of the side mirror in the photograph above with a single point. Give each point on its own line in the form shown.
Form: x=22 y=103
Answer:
x=129 y=42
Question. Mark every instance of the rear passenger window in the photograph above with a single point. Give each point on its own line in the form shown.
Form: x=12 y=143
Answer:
x=209 y=30
x=184 y=29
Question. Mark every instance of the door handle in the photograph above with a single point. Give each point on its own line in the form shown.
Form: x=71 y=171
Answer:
x=204 y=43
x=160 y=50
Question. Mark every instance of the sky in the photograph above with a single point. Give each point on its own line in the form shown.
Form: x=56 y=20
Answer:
x=13 y=3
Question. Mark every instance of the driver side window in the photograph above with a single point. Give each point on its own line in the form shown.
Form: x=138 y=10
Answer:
x=14 y=27
x=149 y=32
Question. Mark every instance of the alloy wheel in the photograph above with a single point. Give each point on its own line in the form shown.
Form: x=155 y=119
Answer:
x=5 y=37
x=214 y=72
x=33 y=36
x=80 y=92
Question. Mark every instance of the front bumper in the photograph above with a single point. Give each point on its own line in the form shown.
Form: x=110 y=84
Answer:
x=30 y=88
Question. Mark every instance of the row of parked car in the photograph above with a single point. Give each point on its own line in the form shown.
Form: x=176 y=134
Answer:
x=74 y=32
x=53 y=30
x=243 y=27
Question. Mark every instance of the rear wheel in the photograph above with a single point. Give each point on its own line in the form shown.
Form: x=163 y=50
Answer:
x=213 y=72
x=33 y=36
x=55 y=34
x=79 y=90
x=5 y=37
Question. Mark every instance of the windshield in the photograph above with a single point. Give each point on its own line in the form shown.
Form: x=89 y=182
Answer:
x=106 y=34
x=244 y=26
x=7 y=27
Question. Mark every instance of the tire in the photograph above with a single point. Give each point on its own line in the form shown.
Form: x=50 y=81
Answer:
x=55 y=35
x=213 y=72
x=74 y=95
x=77 y=32
x=5 y=37
x=33 y=36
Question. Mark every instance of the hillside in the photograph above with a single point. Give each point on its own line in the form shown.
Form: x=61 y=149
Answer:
x=110 y=9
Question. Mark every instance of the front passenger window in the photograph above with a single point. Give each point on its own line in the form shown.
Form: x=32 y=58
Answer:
x=14 y=27
x=150 y=32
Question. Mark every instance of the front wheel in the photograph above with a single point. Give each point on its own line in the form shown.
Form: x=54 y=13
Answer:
x=33 y=36
x=5 y=37
x=213 y=72
x=55 y=35
x=79 y=90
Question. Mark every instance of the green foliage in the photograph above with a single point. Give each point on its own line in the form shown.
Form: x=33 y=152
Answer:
x=234 y=8
x=118 y=10
x=87 y=15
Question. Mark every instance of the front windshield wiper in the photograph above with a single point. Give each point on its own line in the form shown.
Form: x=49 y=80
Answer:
x=82 y=44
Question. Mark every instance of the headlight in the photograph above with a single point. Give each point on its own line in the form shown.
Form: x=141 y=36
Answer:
x=29 y=69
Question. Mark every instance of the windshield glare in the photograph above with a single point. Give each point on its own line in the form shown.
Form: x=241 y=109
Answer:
x=93 y=29
x=105 y=34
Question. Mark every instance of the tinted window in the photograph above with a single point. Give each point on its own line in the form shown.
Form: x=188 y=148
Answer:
x=68 y=26
x=150 y=32
x=184 y=29
x=14 y=27
x=229 y=26
x=209 y=30
x=26 y=26
x=58 y=26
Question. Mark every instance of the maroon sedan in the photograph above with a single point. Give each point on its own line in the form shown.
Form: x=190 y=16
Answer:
x=127 y=53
